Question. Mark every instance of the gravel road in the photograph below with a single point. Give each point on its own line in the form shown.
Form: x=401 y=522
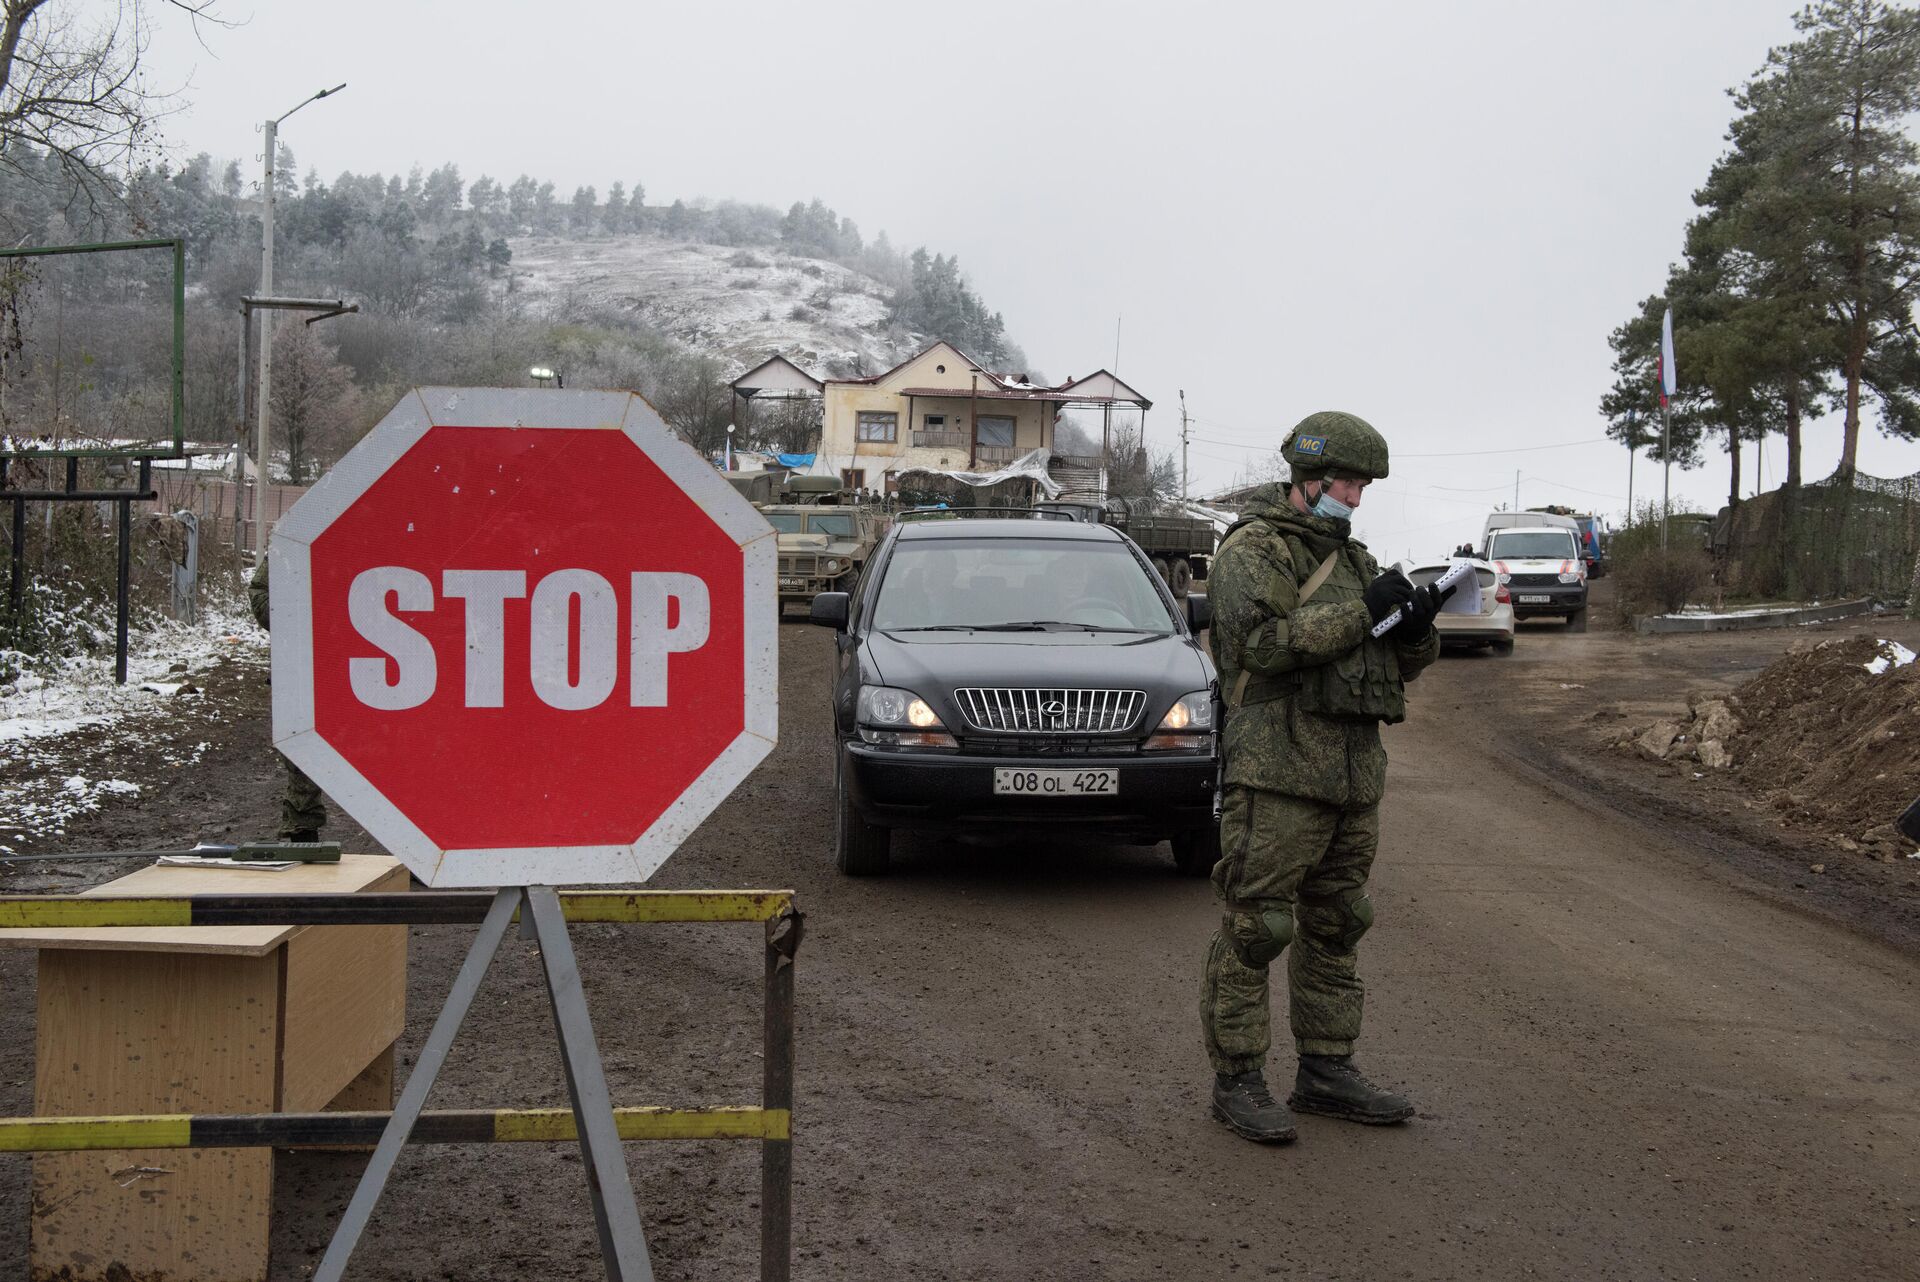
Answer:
x=1638 y=1049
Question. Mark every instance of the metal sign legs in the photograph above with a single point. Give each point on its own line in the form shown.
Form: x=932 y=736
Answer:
x=623 y=1243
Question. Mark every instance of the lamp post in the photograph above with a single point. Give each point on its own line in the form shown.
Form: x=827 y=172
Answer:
x=729 y=447
x=543 y=375
x=272 y=134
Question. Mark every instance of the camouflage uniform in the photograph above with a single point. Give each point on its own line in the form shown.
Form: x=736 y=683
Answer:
x=1304 y=774
x=303 y=807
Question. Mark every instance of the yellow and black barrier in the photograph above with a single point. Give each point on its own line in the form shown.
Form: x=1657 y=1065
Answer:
x=436 y=1126
x=770 y=1124
x=420 y=908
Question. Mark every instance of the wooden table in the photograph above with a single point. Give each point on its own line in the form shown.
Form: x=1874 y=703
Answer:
x=202 y=1019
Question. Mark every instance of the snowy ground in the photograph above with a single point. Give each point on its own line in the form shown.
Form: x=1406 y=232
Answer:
x=737 y=303
x=69 y=734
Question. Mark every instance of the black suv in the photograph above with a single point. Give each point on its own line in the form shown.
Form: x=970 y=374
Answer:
x=1020 y=673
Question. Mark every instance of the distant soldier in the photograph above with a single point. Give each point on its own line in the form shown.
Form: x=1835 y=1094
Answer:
x=303 y=809
x=1295 y=599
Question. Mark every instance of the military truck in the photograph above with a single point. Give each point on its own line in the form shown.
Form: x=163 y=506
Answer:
x=1180 y=546
x=824 y=537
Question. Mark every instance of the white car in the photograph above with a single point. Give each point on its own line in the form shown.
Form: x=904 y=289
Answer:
x=1544 y=570
x=1492 y=627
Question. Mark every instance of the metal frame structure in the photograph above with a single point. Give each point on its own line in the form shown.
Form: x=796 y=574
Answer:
x=326 y=309
x=71 y=492
x=593 y=1122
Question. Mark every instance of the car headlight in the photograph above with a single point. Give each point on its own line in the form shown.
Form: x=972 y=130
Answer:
x=900 y=718
x=831 y=565
x=1187 y=727
x=1192 y=712
x=1570 y=577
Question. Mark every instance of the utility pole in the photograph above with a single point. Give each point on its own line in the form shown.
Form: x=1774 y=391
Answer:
x=1516 y=489
x=271 y=132
x=1183 y=445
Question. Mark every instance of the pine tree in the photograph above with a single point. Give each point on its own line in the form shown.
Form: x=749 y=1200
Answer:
x=1840 y=183
x=613 y=216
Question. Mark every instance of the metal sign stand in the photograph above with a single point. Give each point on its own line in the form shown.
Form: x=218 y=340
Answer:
x=623 y=1243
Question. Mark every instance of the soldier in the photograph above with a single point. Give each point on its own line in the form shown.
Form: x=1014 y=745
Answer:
x=303 y=809
x=1295 y=599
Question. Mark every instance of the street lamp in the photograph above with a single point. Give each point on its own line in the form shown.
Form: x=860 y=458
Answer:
x=272 y=134
x=543 y=374
x=729 y=447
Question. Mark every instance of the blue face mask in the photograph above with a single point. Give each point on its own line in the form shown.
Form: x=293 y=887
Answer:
x=1329 y=508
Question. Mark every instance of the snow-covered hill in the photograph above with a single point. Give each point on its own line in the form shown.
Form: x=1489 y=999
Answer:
x=737 y=304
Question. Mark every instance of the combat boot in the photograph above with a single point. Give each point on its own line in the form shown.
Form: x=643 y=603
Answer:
x=1332 y=1086
x=1243 y=1102
x=303 y=836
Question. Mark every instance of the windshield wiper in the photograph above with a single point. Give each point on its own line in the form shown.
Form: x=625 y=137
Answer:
x=1046 y=625
x=936 y=627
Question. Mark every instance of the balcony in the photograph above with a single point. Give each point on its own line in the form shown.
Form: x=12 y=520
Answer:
x=997 y=454
x=940 y=440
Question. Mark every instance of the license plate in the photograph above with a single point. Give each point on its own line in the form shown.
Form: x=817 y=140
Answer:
x=1536 y=600
x=793 y=583
x=1055 y=783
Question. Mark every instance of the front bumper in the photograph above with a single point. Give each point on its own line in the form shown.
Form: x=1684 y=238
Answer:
x=1159 y=794
x=803 y=588
x=1557 y=598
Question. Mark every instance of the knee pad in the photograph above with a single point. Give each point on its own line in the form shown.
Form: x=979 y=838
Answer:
x=1341 y=919
x=1258 y=938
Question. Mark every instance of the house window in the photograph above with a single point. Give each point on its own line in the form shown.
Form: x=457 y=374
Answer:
x=996 y=431
x=935 y=422
x=875 y=426
x=853 y=478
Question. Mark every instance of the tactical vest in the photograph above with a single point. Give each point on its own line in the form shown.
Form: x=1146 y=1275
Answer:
x=1364 y=684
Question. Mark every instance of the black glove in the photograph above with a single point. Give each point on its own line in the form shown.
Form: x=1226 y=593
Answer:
x=1387 y=593
x=1417 y=616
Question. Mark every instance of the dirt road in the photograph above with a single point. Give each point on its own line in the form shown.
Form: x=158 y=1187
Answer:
x=1639 y=1052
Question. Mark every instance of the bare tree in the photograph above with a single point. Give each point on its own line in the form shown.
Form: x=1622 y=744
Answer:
x=72 y=90
x=696 y=402
x=315 y=404
x=1135 y=472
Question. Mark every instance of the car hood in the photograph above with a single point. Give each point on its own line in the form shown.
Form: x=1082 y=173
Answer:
x=934 y=664
x=1537 y=565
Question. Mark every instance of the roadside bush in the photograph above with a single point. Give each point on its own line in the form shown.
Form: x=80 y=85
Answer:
x=741 y=258
x=1660 y=582
x=1649 y=579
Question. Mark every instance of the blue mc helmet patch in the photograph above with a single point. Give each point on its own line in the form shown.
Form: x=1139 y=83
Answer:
x=1316 y=445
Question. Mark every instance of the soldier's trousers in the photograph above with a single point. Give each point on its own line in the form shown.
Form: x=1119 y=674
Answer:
x=303 y=808
x=1307 y=861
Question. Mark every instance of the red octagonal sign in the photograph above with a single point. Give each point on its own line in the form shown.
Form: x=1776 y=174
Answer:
x=524 y=637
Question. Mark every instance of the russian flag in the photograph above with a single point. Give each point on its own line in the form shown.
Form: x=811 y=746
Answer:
x=1667 y=383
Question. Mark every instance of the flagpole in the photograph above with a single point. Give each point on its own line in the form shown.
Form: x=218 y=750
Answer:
x=1666 y=475
x=1669 y=383
x=1633 y=437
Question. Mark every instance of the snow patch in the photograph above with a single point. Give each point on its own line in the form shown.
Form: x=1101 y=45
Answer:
x=1892 y=655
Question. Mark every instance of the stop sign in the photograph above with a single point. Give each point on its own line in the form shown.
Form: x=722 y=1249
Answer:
x=524 y=637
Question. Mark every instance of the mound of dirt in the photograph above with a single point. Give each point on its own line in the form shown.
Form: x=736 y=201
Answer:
x=1832 y=734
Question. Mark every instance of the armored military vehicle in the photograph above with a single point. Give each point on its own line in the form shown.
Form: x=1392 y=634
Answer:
x=1180 y=546
x=824 y=537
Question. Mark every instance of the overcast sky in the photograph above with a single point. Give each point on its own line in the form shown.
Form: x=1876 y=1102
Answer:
x=1428 y=214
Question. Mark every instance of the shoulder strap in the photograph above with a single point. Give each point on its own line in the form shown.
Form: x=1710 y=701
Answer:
x=1307 y=589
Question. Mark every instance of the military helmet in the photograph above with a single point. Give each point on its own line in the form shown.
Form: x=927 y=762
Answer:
x=1337 y=442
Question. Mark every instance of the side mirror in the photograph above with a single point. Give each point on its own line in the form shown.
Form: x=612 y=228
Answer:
x=829 y=610
x=1199 y=611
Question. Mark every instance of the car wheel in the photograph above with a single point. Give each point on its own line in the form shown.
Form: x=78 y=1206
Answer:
x=859 y=848
x=1195 y=852
x=1503 y=647
x=1182 y=577
x=1577 y=621
x=1160 y=568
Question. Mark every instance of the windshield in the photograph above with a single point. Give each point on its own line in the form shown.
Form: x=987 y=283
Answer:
x=1533 y=545
x=986 y=583
x=783 y=522
x=837 y=525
